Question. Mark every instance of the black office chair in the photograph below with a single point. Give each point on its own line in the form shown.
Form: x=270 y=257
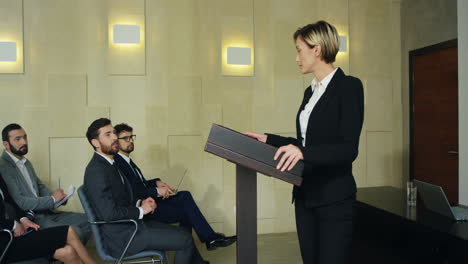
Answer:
x=101 y=250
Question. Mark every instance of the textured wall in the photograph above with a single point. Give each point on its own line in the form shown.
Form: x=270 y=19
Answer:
x=462 y=7
x=423 y=23
x=172 y=87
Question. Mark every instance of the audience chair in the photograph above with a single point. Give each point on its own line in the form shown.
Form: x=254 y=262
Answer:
x=156 y=255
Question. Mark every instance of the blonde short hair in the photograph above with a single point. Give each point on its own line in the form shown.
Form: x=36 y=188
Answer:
x=321 y=33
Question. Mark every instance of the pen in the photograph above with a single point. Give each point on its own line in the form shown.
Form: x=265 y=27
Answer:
x=27 y=232
x=59 y=182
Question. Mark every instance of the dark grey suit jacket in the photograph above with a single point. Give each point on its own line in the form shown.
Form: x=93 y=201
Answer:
x=113 y=199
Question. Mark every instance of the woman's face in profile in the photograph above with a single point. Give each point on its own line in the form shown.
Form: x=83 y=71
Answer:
x=306 y=57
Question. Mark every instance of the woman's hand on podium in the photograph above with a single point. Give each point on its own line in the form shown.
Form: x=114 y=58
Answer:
x=292 y=154
x=257 y=136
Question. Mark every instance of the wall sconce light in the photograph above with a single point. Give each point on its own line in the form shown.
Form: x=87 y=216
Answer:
x=7 y=51
x=239 y=56
x=126 y=34
x=343 y=44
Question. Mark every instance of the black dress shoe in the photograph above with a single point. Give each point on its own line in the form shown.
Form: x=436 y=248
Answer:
x=220 y=240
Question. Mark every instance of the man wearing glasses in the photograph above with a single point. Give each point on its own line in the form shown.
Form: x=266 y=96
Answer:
x=172 y=206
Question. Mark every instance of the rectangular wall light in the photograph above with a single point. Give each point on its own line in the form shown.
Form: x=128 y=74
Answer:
x=239 y=56
x=343 y=44
x=7 y=51
x=126 y=34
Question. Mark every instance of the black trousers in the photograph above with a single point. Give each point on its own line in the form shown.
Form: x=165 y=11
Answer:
x=325 y=232
x=181 y=208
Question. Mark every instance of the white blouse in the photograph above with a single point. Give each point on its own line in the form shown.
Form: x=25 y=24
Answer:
x=318 y=89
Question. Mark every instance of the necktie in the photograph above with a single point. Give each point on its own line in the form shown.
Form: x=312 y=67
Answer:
x=118 y=171
x=137 y=172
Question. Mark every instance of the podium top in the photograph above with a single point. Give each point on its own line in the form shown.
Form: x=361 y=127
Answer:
x=250 y=153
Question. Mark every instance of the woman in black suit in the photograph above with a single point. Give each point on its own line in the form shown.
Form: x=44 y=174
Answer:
x=328 y=124
x=59 y=242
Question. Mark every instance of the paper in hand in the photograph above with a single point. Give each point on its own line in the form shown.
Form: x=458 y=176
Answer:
x=70 y=192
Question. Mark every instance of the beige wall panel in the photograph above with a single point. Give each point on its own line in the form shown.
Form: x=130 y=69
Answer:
x=238 y=117
x=237 y=32
x=157 y=35
x=359 y=165
x=66 y=37
x=68 y=160
x=38 y=141
x=285 y=65
x=67 y=90
x=212 y=198
x=152 y=152
x=229 y=187
x=187 y=152
x=93 y=113
x=156 y=91
x=126 y=59
x=128 y=90
x=11 y=30
x=11 y=89
x=96 y=25
x=265 y=196
x=36 y=62
x=379 y=104
x=370 y=38
x=127 y=102
x=266 y=225
x=287 y=99
x=263 y=28
x=379 y=158
x=131 y=114
x=185 y=100
x=285 y=215
x=280 y=117
x=67 y=100
x=184 y=48
x=397 y=94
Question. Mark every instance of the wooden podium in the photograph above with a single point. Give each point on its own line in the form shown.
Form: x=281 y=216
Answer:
x=250 y=156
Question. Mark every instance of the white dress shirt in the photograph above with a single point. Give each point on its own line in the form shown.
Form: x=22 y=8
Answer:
x=318 y=89
x=111 y=161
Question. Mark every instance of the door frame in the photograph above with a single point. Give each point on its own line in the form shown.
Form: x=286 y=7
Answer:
x=453 y=43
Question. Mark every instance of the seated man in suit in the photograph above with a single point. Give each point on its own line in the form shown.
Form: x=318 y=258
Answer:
x=111 y=195
x=30 y=242
x=172 y=208
x=27 y=189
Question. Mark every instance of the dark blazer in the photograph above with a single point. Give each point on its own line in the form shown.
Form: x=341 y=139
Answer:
x=111 y=199
x=8 y=223
x=140 y=190
x=332 y=141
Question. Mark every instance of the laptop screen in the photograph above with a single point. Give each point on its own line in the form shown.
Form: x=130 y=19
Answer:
x=434 y=198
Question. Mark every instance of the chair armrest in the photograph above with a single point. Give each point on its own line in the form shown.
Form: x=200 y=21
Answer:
x=9 y=243
x=119 y=222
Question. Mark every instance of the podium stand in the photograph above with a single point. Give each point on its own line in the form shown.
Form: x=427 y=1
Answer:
x=250 y=156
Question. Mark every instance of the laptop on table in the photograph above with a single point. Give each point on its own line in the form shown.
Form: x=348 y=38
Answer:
x=435 y=200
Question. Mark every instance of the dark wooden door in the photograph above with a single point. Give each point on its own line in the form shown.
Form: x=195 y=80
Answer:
x=434 y=116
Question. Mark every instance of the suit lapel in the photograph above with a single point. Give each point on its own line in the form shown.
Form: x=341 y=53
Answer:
x=19 y=175
x=327 y=95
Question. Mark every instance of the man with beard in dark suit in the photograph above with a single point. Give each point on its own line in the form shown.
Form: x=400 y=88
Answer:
x=111 y=196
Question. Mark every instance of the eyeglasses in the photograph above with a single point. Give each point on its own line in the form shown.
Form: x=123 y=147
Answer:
x=128 y=138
